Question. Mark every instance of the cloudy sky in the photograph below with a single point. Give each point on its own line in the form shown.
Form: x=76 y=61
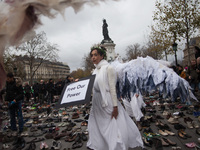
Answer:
x=128 y=22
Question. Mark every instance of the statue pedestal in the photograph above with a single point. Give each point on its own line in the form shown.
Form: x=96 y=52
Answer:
x=110 y=47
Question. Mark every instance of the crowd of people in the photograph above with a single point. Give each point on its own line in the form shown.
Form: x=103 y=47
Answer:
x=191 y=73
x=42 y=91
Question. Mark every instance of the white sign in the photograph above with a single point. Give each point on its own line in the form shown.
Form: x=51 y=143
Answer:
x=75 y=91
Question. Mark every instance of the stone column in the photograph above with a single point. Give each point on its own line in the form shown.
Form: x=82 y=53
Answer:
x=110 y=47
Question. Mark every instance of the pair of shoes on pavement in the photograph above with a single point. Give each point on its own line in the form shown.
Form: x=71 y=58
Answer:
x=56 y=145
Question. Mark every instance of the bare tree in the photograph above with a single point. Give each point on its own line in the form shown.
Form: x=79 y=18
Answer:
x=133 y=51
x=38 y=50
x=8 y=60
x=87 y=63
x=11 y=64
x=152 y=50
x=161 y=41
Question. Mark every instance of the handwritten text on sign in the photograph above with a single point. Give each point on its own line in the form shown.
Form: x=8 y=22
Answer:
x=75 y=91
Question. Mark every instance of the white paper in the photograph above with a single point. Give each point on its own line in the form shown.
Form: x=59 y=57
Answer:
x=75 y=91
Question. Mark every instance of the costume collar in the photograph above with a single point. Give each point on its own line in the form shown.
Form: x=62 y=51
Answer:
x=101 y=63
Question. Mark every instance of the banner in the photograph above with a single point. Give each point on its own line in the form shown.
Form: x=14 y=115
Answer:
x=76 y=93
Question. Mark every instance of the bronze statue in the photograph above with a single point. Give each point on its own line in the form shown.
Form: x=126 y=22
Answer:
x=105 y=30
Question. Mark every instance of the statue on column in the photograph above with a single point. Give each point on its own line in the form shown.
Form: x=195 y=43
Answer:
x=105 y=32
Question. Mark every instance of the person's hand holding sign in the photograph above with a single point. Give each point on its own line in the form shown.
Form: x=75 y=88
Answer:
x=76 y=80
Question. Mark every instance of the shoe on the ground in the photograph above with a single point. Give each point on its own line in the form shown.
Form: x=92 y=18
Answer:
x=179 y=126
x=157 y=144
x=162 y=133
x=169 y=141
x=173 y=120
x=164 y=143
x=195 y=124
x=14 y=133
x=189 y=125
x=198 y=131
x=32 y=146
x=84 y=137
x=185 y=134
x=190 y=145
x=77 y=144
x=147 y=141
x=43 y=146
x=181 y=135
x=169 y=132
x=56 y=145
x=6 y=146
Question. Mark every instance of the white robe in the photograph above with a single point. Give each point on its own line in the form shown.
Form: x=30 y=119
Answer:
x=106 y=133
x=133 y=108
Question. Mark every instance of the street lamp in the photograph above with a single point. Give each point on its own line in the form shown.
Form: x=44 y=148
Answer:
x=174 y=46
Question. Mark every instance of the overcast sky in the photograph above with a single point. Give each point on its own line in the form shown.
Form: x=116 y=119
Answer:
x=127 y=20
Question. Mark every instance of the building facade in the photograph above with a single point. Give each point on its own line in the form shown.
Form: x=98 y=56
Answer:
x=45 y=70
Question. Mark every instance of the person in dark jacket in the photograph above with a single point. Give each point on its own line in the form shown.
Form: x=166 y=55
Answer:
x=41 y=91
x=27 y=91
x=50 y=89
x=35 y=91
x=59 y=87
x=193 y=75
x=197 y=52
x=69 y=79
x=14 y=97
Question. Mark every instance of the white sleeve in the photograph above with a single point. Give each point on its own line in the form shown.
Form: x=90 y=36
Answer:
x=112 y=84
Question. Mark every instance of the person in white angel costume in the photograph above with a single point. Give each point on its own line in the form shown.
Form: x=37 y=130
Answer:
x=109 y=125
